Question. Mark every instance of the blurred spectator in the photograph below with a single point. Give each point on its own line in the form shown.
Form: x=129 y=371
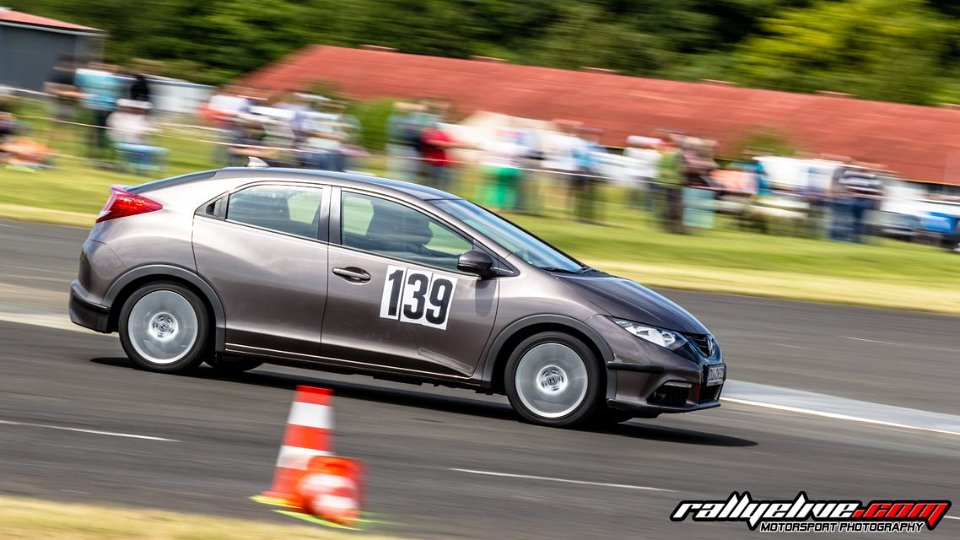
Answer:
x=560 y=148
x=221 y=112
x=669 y=176
x=403 y=140
x=17 y=151
x=129 y=129
x=697 y=164
x=299 y=112
x=841 y=209
x=8 y=125
x=644 y=157
x=697 y=158
x=101 y=88
x=435 y=146
x=139 y=89
x=585 y=181
x=248 y=139
x=62 y=86
x=503 y=160
x=527 y=195
x=863 y=189
x=328 y=136
x=224 y=105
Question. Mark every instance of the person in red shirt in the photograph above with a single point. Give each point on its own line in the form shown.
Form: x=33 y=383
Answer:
x=435 y=149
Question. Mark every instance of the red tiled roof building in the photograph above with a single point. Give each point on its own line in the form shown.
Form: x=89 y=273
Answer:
x=920 y=143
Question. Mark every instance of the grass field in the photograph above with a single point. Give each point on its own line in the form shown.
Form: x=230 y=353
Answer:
x=29 y=519
x=881 y=274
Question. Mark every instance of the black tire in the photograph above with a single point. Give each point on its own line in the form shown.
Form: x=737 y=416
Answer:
x=184 y=326
x=233 y=365
x=578 y=411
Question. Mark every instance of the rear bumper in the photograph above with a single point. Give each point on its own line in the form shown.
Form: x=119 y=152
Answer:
x=85 y=313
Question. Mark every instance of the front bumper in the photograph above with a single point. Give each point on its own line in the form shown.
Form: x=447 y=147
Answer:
x=87 y=313
x=647 y=379
x=654 y=389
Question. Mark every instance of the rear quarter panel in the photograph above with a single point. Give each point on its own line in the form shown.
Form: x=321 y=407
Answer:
x=161 y=237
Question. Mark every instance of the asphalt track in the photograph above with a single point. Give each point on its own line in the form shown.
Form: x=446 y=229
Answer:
x=78 y=423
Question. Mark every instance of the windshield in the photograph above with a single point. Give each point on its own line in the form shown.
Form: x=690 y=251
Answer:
x=513 y=238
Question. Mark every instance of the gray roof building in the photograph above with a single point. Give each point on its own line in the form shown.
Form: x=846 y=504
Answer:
x=30 y=47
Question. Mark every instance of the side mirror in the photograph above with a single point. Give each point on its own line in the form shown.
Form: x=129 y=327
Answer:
x=476 y=262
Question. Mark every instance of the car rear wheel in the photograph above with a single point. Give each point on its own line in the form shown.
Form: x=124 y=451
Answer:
x=554 y=379
x=165 y=327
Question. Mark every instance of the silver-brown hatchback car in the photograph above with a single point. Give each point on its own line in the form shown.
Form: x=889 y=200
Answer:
x=358 y=274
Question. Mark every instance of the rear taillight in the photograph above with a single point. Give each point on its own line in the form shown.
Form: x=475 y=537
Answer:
x=122 y=203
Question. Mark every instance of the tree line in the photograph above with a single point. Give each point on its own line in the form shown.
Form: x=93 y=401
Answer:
x=893 y=50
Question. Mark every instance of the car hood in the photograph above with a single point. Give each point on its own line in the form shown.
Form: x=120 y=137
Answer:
x=629 y=300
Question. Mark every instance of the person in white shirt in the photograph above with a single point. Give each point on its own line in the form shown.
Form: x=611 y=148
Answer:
x=329 y=133
x=128 y=128
x=644 y=158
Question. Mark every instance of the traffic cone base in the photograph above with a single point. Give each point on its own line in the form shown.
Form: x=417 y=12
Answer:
x=331 y=489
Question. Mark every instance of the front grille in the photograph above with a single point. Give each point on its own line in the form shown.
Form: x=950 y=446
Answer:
x=704 y=343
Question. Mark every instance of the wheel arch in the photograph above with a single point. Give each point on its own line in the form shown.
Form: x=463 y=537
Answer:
x=125 y=285
x=496 y=358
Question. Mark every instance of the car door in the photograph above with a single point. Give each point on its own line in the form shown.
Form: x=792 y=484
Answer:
x=395 y=297
x=263 y=249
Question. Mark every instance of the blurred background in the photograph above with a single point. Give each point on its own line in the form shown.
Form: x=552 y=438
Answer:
x=730 y=145
x=790 y=149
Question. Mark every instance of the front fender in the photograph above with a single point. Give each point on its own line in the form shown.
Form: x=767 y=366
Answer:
x=487 y=373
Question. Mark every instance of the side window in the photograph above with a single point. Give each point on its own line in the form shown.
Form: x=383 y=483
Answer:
x=288 y=209
x=394 y=230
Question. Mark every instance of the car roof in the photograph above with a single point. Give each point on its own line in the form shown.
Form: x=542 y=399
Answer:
x=305 y=175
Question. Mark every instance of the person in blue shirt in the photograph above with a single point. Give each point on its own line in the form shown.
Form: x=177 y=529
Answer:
x=585 y=182
x=100 y=88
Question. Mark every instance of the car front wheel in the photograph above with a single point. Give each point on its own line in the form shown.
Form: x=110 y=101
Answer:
x=554 y=379
x=164 y=327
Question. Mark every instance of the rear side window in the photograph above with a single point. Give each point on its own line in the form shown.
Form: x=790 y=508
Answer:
x=292 y=210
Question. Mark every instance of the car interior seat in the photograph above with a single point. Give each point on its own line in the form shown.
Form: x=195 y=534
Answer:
x=396 y=229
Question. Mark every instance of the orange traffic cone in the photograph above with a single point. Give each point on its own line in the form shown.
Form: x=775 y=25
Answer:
x=331 y=489
x=309 y=434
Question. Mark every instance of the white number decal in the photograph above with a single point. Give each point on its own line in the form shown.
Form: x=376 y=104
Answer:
x=418 y=297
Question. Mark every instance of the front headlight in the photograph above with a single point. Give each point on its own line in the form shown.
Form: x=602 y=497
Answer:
x=667 y=339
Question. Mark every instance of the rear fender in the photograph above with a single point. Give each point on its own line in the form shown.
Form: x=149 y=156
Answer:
x=160 y=271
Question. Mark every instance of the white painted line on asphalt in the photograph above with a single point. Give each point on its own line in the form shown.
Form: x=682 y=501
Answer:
x=59 y=280
x=45 y=320
x=952 y=517
x=90 y=431
x=838 y=408
x=794 y=347
x=903 y=345
x=833 y=415
x=562 y=480
x=869 y=340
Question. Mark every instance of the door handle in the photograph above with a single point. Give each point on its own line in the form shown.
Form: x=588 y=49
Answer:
x=352 y=273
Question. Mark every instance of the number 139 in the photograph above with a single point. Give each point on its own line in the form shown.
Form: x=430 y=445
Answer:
x=417 y=297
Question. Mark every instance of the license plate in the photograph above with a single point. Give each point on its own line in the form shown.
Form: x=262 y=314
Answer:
x=715 y=375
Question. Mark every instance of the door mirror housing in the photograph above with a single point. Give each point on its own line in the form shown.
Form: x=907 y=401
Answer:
x=477 y=262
